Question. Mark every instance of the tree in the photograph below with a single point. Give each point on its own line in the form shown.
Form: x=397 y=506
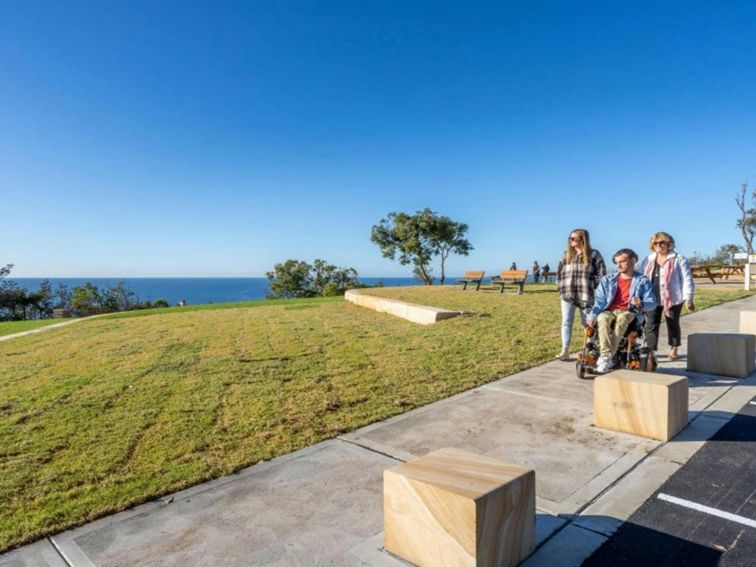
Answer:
x=747 y=221
x=417 y=239
x=295 y=278
x=290 y=279
x=328 y=280
x=86 y=300
x=5 y=271
x=723 y=254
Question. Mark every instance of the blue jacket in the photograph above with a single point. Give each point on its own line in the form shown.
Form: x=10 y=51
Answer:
x=641 y=287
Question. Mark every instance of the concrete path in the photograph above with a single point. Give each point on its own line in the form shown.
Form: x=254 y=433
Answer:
x=323 y=505
x=49 y=327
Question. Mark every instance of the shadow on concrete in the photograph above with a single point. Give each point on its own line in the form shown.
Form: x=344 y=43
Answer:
x=744 y=424
x=634 y=545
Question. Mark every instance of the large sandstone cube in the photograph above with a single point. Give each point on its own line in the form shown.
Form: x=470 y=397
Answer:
x=452 y=507
x=641 y=403
x=725 y=354
x=748 y=322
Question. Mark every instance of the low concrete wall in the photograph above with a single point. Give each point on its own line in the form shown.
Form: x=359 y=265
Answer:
x=422 y=314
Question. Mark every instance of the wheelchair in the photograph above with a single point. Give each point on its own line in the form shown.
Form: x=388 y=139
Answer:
x=632 y=353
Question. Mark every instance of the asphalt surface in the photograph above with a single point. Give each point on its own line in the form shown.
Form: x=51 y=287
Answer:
x=721 y=477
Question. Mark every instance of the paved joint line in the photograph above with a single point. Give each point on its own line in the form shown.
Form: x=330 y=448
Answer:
x=707 y=510
x=371 y=449
x=59 y=552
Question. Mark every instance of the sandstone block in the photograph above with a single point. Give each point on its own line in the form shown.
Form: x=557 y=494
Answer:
x=725 y=354
x=642 y=403
x=422 y=314
x=452 y=507
x=748 y=322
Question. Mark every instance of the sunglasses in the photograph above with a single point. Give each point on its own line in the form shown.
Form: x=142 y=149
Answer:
x=576 y=238
x=660 y=242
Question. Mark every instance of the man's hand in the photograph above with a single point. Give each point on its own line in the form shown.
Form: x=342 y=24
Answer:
x=635 y=300
x=689 y=304
x=591 y=323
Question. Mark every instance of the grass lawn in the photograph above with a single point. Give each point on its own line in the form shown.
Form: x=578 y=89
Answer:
x=10 y=327
x=108 y=413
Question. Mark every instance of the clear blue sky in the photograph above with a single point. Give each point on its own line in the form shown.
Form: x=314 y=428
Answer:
x=218 y=138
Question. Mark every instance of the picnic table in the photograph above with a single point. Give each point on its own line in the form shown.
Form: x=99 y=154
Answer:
x=713 y=271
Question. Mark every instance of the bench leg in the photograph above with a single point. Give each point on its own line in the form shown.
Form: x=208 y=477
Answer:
x=478 y=286
x=501 y=288
x=464 y=287
x=522 y=288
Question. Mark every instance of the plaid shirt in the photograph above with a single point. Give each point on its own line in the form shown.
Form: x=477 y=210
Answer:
x=577 y=283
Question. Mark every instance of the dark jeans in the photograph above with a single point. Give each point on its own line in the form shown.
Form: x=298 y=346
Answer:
x=653 y=322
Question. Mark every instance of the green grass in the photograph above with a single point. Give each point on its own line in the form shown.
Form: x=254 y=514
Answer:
x=10 y=327
x=101 y=415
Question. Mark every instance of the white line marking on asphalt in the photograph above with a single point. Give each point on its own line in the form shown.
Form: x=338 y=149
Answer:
x=752 y=403
x=713 y=511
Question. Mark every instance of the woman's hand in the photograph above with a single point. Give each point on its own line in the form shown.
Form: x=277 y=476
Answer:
x=689 y=304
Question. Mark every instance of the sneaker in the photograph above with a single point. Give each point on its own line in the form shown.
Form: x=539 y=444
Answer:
x=604 y=364
x=564 y=356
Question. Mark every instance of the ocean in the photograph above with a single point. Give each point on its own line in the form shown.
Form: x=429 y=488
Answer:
x=195 y=291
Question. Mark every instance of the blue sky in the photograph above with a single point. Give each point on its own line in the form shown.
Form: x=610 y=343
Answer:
x=218 y=138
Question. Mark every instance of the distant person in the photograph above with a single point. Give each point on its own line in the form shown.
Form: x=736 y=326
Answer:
x=536 y=272
x=672 y=280
x=545 y=273
x=611 y=309
x=578 y=274
x=513 y=266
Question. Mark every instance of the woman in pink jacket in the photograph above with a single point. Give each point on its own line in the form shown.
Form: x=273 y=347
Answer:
x=671 y=277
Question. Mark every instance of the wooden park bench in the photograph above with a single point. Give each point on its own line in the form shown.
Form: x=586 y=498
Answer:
x=472 y=277
x=548 y=276
x=512 y=277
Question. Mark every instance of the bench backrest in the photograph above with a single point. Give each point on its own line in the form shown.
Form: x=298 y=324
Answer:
x=513 y=275
x=474 y=275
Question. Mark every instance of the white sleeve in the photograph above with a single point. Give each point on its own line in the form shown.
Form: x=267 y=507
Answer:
x=688 y=288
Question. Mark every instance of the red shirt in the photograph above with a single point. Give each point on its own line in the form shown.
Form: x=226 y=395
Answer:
x=622 y=297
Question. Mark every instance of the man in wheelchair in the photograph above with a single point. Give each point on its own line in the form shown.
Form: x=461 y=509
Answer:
x=619 y=298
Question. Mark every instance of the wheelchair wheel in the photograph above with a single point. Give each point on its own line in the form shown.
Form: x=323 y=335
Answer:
x=647 y=364
x=580 y=370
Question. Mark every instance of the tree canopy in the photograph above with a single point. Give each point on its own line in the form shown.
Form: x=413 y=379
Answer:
x=417 y=239
x=296 y=278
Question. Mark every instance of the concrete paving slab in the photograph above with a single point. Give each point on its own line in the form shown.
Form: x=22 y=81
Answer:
x=371 y=553
x=691 y=439
x=553 y=437
x=552 y=381
x=566 y=549
x=614 y=507
x=38 y=554
x=308 y=508
x=735 y=398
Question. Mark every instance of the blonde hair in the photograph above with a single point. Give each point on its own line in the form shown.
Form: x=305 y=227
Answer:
x=664 y=236
x=585 y=248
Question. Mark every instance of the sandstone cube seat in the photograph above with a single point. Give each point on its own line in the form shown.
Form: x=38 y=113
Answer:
x=641 y=403
x=452 y=507
x=748 y=322
x=724 y=354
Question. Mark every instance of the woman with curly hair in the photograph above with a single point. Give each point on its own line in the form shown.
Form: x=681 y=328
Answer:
x=670 y=274
x=578 y=274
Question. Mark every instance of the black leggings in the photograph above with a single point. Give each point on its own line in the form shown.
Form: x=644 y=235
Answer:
x=673 y=326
